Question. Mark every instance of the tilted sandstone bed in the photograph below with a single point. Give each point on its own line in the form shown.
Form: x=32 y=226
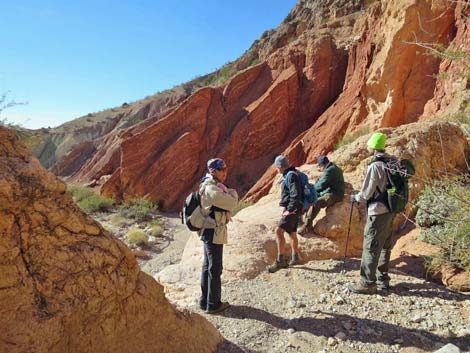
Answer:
x=66 y=285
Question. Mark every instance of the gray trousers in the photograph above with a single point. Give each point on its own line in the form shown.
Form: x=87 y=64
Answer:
x=324 y=201
x=376 y=249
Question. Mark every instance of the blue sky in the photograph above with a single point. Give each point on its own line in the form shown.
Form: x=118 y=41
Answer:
x=68 y=58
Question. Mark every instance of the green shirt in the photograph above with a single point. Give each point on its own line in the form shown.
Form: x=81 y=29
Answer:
x=331 y=181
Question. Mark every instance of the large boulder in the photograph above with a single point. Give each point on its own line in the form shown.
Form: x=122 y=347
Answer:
x=67 y=285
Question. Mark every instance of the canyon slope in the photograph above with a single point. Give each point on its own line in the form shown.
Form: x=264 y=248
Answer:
x=330 y=68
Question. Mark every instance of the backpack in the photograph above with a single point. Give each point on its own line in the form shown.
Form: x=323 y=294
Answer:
x=310 y=195
x=398 y=172
x=190 y=204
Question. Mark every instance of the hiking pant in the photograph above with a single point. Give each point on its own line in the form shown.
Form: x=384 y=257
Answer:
x=376 y=249
x=210 y=276
x=324 y=201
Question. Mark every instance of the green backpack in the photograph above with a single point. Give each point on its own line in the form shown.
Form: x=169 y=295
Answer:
x=397 y=192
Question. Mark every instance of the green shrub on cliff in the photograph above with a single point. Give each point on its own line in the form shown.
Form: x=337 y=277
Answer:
x=444 y=215
x=351 y=137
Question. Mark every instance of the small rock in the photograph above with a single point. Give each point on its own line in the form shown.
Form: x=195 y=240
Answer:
x=347 y=325
x=341 y=336
x=332 y=342
x=322 y=298
x=448 y=348
x=291 y=331
x=339 y=300
x=398 y=341
x=418 y=318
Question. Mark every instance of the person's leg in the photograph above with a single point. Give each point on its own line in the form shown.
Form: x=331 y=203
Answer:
x=314 y=210
x=280 y=241
x=383 y=279
x=215 y=254
x=324 y=201
x=374 y=239
x=294 y=243
x=204 y=280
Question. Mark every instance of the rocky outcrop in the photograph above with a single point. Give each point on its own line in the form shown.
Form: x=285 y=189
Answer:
x=251 y=235
x=246 y=122
x=66 y=285
x=389 y=79
x=408 y=256
x=330 y=68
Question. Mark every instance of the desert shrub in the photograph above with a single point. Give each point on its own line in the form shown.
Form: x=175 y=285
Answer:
x=156 y=230
x=96 y=203
x=156 y=221
x=139 y=209
x=351 y=137
x=137 y=237
x=88 y=200
x=118 y=221
x=79 y=192
x=444 y=212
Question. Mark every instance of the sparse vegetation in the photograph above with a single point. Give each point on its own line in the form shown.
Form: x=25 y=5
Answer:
x=89 y=201
x=351 y=137
x=255 y=61
x=444 y=210
x=140 y=210
x=137 y=237
x=156 y=230
x=118 y=221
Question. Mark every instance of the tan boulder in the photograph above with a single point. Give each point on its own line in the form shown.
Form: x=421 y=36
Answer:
x=66 y=285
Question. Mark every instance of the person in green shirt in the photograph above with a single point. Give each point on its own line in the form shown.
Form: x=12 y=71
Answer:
x=330 y=189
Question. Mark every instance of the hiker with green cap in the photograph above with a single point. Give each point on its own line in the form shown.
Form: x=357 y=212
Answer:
x=330 y=189
x=292 y=203
x=377 y=244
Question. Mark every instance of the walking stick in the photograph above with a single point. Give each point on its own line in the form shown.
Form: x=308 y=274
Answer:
x=349 y=230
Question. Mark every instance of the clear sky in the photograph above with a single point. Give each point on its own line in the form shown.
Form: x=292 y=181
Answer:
x=68 y=58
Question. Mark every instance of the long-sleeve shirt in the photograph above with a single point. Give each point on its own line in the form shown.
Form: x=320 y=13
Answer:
x=374 y=183
x=331 y=181
x=291 y=196
x=216 y=201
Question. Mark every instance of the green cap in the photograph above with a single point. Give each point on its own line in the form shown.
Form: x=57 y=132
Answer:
x=377 y=141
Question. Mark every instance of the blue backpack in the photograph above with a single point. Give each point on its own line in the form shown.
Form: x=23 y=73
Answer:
x=310 y=193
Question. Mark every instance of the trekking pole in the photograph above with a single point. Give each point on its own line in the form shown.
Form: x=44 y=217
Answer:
x=349 y=230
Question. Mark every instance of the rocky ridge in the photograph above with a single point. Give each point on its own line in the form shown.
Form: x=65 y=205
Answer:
x=329 y=68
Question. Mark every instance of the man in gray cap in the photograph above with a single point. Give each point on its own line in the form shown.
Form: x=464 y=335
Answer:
x=291 y=200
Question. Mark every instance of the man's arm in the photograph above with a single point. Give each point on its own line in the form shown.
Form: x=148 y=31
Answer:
x=369 y=186
x=216 y=197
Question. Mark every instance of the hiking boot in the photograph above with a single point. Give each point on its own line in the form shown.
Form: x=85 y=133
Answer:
x=277 y=266
x=223 y=306
x=294 y=260
x=384 y=286
x=305 y=229
x=360 y=288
